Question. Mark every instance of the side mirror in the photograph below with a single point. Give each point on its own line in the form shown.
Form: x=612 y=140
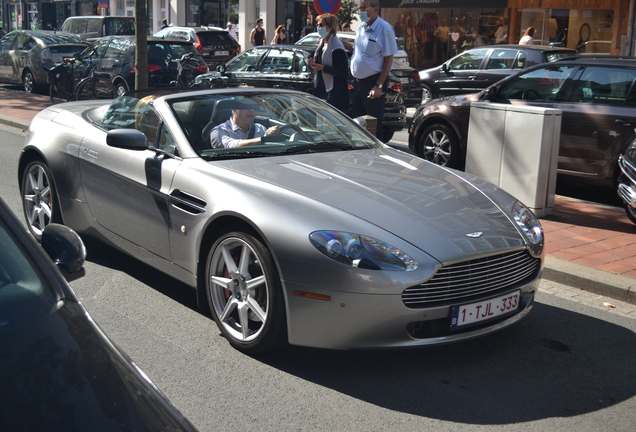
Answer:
x=221 y=69
x=445 y=67
x=491 y=93
x=66 y=250
x=129 y=139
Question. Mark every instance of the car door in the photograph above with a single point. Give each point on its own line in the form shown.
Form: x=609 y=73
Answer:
x=459 y=74
x=127 y=190
x=23 y=44
x=245 y=69
x=111 y=56
x=598 y=121
x=501 y=63
x=6 y=60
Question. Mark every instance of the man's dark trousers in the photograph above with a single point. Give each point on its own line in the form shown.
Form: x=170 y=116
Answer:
x=363 y=105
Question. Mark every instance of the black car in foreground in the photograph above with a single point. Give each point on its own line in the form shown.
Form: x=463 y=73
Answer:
x=59 y=371
x=287 y=67
x=597 y=98
x=114 y=58
x=478 y=68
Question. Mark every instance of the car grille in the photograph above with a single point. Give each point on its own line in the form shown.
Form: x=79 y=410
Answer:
x=469 y=279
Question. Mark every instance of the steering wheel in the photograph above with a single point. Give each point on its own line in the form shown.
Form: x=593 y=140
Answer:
x=290 y=117
x=530 y=94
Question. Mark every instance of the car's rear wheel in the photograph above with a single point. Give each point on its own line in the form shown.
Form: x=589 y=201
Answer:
x=439 y=144
x=28 y=81
x=121 y=87
x=38 y=198
x=245 y=294
x=427 y=94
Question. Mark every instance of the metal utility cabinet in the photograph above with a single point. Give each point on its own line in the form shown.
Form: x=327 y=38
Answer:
x=516 y=147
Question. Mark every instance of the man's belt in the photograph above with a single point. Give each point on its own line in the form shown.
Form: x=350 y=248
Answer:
x=369 y=78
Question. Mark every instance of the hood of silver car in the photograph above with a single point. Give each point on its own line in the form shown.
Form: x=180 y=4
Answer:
x=424 y=204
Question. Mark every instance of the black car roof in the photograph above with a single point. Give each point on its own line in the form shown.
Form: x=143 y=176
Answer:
x=600 y=59
x=532 y=47
x=149 y=38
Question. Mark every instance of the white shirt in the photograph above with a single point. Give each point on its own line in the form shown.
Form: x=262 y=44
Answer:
x=372 y=44
x=526 y=40
x=233 y=34
x=229 y=134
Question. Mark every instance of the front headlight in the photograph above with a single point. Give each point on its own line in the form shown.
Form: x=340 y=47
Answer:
x=361 y=251
x=528 y=223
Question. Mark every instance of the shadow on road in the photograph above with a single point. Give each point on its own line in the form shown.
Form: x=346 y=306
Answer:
x=556 y=363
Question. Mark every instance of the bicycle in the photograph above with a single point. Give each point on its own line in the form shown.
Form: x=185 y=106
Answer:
x=181 y=79
x=64 y=89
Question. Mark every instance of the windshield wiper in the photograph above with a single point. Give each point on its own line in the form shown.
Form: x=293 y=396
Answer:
x=317 y=147
x=237 y=154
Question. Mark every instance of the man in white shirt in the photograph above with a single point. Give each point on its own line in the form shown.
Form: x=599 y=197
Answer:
x=230 y=30
x=372 y=60
x=240 y=130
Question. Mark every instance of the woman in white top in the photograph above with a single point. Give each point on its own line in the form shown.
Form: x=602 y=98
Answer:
x=527 y=37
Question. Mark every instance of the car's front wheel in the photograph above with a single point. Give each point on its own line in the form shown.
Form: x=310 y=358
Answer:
x=38 y=198
x=245 y=294
x=439 y=144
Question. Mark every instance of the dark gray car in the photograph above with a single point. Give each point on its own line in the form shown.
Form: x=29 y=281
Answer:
x=476 y=69
x=597 y=98
x=27 y=55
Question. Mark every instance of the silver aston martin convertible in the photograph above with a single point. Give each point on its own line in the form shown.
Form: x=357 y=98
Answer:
x=292 y=222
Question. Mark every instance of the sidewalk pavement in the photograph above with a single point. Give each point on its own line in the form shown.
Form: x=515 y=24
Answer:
x=588 y=245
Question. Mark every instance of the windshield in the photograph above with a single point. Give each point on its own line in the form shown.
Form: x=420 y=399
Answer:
x=265 y=124
x=24 y=296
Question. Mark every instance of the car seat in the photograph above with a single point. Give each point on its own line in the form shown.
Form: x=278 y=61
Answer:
x=221 y=113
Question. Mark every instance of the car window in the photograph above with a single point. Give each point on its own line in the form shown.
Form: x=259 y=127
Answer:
x=502 y=59
x=278 y=60
x=76 y=25
x=177 y=50
x=301 y=63
x=555 y=55
x=541 y=84
x=60 y=38
x=117 y=49
x=603 y=85
x=94 y=26
x=178 y=34
x=309 y=40
x=7 y=41
x=247 y=61
x=214 y=38
x=99 y=47
x=25 y=43
x=468 y=60
x=119 y=26
x=24 y=294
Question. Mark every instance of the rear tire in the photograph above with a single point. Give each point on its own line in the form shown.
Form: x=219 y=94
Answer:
x=28 y=81
x=388 y=135
x=439 y=144
x=427 y=94
x=631 y=213
x=104 y=89
x=121 y=87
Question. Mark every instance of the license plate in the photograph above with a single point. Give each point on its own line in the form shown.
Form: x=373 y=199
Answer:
x=404 y=80
x=221 y=53
x=484 y=310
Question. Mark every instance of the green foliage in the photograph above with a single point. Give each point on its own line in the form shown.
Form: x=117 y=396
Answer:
x=346 y=14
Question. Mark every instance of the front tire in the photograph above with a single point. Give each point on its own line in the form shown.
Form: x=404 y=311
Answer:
x=39 y=198
x=439 y=144
x=427 y=94
x=387 y=136
x=631 y=213
x=245 y=294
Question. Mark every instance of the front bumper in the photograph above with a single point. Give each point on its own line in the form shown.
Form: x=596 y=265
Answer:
x=367 y=321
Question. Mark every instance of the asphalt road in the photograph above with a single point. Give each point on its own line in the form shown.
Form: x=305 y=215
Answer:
x=568 y=366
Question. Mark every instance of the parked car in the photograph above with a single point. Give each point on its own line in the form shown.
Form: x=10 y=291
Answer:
x=59 y=371
x=408 y=77
x=475 y=69
x=320 y=236
x=286 y=67
x=114 y=58
x=595 y=96
x=26 y=55
x=213 y=43
x=627 y=181
x=90 y=28
x=595 y=47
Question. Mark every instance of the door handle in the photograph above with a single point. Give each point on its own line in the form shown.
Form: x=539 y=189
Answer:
x=623 y=122
x=472 y=77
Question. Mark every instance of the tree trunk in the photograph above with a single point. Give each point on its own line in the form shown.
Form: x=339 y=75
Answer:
x=141 y=45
